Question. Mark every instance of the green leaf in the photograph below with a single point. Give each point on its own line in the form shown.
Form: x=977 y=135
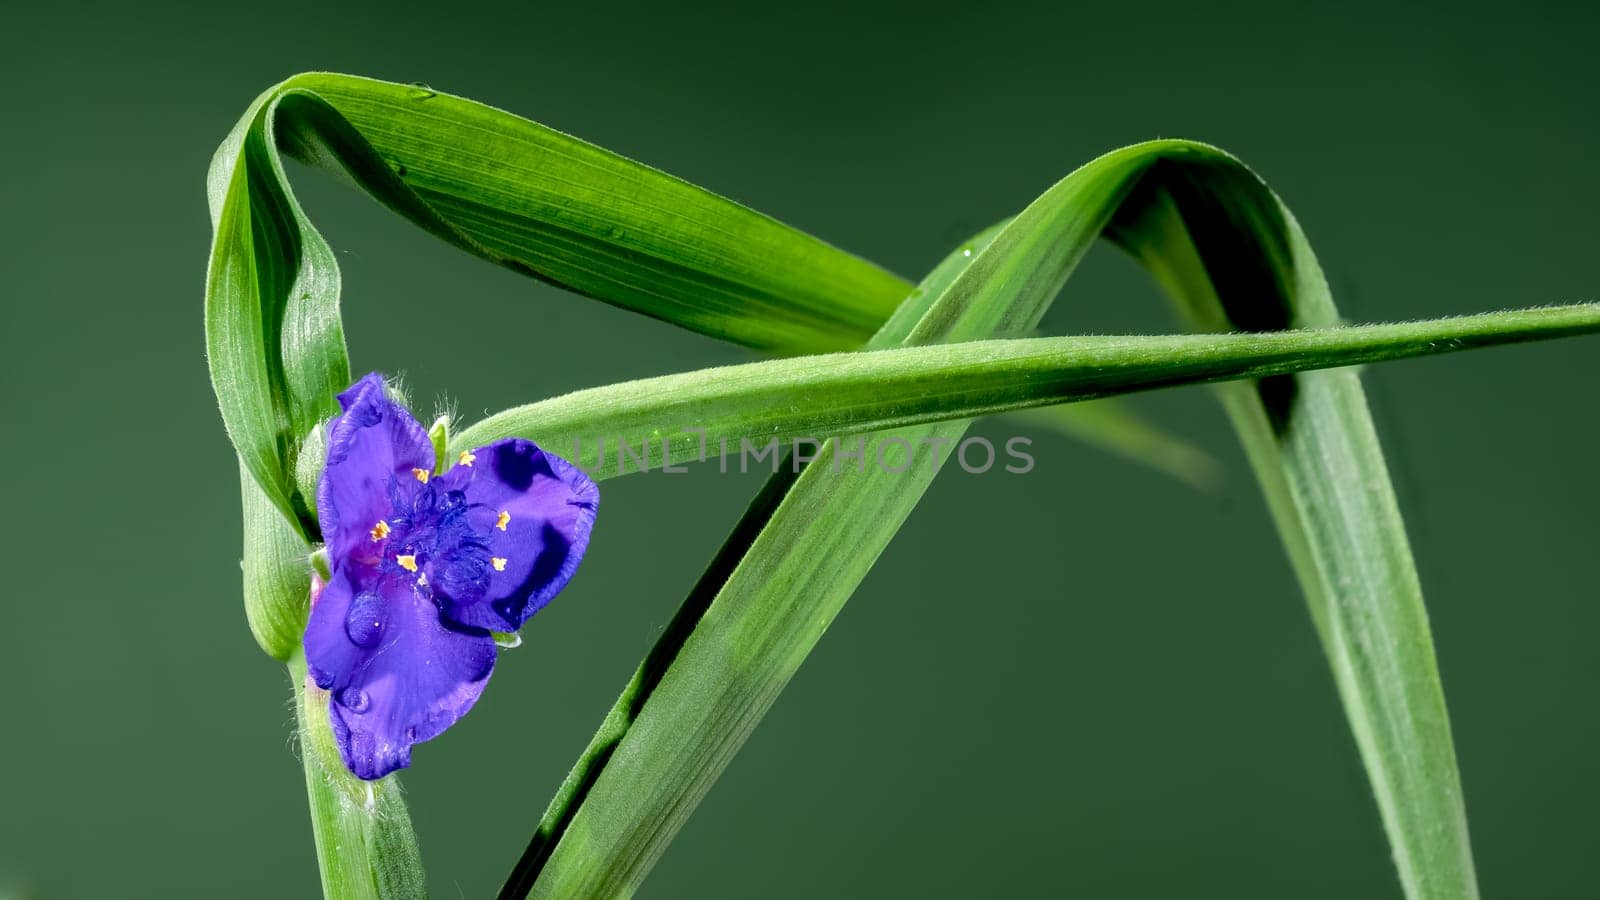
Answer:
x=808 y=539
x=508 y=190
x=547 y=204
x=1228 y=251
x=720 y=411
x=273 y=335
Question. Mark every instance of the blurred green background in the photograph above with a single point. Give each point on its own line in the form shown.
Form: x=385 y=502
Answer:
x=1090 y=680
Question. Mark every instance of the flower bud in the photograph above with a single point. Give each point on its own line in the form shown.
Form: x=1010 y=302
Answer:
x=277 y=573
x=309 y=464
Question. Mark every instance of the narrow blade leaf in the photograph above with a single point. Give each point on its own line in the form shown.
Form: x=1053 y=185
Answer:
x=717 y=412
x=1228 y=251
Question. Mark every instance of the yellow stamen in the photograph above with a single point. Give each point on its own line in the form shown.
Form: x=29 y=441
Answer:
x=499 y=563
x=422 y=475
x=505 y=519
x=407 y=562
x=380 y=530
x=467 y=457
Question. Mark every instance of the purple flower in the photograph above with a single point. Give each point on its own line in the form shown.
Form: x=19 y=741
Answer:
x=423 y=568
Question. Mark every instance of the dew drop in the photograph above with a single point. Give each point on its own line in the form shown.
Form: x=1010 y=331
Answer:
x=507 y=640
x=420 y=91
x=507 y=610
x=354 y=699
x=364 y=624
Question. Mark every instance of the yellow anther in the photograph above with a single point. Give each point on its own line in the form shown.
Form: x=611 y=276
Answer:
x=499 y=563
x=422 y=475
x=407 y=562
x=467 y=458
x=503 y=521
x=422 y=580
x=380 y=530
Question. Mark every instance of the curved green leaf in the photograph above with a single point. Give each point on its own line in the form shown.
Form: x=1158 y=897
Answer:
x=1227 y=251
x=780 y=579
x=505 y=189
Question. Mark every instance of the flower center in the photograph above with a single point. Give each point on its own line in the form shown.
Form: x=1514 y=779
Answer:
x=429 y=540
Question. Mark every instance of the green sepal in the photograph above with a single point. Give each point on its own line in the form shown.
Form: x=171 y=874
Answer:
x=321 y=565
x=439 y=435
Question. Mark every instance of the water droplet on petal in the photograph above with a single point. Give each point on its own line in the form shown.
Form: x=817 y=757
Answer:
x=364 y=624
x=507 y=640
x=354 y=699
